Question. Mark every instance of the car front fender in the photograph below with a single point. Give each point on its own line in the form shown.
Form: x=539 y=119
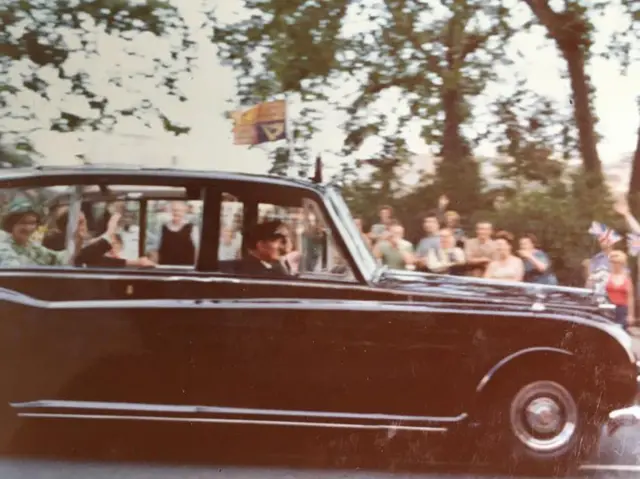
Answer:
x=518 y=356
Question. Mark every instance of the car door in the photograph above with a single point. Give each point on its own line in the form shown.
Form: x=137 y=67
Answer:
x=72 y=348
x=266 y=364
x=322 y=364
x=88 y=358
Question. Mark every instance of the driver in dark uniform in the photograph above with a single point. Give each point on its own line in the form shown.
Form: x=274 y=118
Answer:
x=264 y=245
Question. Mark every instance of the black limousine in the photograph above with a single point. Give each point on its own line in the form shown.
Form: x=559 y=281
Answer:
x=531 y=372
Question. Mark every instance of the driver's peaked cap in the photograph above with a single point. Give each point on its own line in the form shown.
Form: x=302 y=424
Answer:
x=267 y=231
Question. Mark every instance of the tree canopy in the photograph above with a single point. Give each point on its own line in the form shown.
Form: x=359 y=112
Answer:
x=45 y=48
x=431 y=59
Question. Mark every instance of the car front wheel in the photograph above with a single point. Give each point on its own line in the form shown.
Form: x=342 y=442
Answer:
x=541 y=427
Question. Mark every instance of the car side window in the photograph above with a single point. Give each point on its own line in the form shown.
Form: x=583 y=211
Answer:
x=173 y=232
x=98 y=225
x=308 y=250
x=31 y=233
x=321 y=255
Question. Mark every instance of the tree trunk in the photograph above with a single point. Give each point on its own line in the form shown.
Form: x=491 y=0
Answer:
x=634 y=184
x=452 y=143
x=582 y=111
x=568 y=30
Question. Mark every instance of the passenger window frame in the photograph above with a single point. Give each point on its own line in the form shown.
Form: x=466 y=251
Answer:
x=74 y=183
x=251 y=195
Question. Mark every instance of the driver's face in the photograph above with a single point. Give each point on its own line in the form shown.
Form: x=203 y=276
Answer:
x=269 y=250
x=285 y=243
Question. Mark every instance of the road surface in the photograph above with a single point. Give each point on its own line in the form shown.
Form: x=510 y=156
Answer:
x=40 y=469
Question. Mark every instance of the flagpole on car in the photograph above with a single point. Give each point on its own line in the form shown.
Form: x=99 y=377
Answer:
x=288 y=129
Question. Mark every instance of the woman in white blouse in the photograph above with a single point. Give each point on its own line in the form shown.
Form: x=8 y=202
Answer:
x=507 y=266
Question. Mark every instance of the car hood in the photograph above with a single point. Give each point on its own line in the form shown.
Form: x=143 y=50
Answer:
x=558 y=299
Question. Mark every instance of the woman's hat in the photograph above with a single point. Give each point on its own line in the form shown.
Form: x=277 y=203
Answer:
x=18 y=208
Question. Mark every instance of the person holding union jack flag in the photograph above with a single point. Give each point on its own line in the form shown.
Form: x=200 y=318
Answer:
x=599 y=266
x=633 y=238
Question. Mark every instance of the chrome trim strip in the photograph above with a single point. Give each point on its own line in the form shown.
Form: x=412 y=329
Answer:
x=491 y=373
x=237 y=421
x=271 y=303
x=405 y=296
x=217 y=410
x=478 y=308
x=610 y=467
x=197 y=276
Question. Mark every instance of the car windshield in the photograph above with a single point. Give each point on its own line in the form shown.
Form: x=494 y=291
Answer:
x=362 y=254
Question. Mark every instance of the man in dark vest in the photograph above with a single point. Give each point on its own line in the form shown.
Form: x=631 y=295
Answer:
x=178 y=238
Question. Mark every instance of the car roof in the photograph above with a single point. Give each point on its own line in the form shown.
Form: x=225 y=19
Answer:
x=89 y=171
x=122 y=192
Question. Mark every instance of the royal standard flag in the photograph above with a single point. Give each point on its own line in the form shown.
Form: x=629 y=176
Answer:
x=262 y=123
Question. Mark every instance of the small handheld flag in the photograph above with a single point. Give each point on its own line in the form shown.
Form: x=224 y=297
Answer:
x=633 y=243
x=604 y=234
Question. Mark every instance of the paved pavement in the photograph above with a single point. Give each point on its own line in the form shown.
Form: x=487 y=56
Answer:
x=34 y=469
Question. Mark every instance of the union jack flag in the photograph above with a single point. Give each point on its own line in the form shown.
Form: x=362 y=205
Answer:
x=633 y=243
x=604 y=234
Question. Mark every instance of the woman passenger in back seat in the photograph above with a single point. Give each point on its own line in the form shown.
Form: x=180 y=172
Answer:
x=94 y=251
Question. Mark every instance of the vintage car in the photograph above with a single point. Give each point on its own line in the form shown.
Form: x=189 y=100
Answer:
x=529 y=372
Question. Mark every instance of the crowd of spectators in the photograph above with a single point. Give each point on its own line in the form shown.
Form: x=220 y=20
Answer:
x=446 y=248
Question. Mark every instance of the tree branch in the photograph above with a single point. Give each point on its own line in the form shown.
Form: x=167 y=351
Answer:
x=546 y=15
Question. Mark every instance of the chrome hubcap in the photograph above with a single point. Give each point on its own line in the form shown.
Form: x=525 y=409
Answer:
x=544 y=416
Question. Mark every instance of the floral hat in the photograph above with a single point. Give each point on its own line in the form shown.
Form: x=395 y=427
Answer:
x=19 y=207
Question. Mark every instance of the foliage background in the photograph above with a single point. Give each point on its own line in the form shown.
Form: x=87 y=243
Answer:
x=436 y=60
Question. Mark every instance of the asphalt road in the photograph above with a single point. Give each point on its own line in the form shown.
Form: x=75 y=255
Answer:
x=38 y=469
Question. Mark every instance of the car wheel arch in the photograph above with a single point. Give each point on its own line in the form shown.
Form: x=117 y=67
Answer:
x=528 y=367
x=514 y=365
